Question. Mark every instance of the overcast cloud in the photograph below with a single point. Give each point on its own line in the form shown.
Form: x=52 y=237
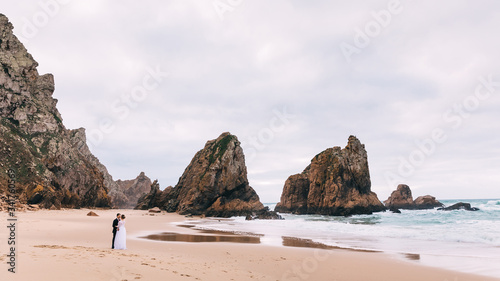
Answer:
x=289 y=78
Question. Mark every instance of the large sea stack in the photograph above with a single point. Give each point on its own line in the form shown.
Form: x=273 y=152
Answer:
x=214 y=184
x=337 y=182
x=50 y=163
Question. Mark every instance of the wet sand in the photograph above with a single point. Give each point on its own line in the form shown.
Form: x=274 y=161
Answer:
x=68 y=245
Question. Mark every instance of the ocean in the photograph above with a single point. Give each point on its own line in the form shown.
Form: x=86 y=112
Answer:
x=458 y=240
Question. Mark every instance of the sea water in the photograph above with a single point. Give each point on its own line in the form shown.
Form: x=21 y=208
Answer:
x=458 y=240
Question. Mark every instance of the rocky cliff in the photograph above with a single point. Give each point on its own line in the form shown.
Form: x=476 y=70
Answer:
x=337 y=182
x=126 y=193
x=214 y=184
x=122 y=193
x=50 y=162
x=402 y=198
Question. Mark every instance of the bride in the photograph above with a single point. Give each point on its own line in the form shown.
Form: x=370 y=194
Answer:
x=121 y=235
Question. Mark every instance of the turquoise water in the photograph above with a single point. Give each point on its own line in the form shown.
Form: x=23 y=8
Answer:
x=458 y=240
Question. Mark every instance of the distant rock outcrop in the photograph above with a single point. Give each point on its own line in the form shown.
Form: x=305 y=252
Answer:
x=214 y=184
x=401 y=198
x=49 y=161
x=395 y=210
x=126 y=193
x=459 y=206
x=337 y=182
x=427 y=202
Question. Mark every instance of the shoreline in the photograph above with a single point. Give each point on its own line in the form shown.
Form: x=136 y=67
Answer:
x=68 y=244
x=472 y=264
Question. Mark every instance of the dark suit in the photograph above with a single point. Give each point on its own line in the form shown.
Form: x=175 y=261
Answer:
x=115 y=228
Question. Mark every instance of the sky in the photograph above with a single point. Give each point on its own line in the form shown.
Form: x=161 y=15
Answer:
x=152 y=81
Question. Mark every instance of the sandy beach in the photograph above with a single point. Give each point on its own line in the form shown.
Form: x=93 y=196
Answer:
x=69 y=245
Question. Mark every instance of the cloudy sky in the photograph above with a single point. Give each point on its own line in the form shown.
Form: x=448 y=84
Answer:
x=152 y=81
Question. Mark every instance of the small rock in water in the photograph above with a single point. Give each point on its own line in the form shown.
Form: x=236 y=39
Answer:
x=264 y=215
x=427 y=202
x=459 y=206
x=395 y=210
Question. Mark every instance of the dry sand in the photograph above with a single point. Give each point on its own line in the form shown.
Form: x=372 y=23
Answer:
x=68 y=245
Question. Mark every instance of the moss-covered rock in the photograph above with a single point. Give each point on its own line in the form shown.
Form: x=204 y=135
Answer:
x=50 y=169
x=215 y=184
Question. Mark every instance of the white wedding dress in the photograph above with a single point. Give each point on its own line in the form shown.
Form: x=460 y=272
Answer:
x=121 y=236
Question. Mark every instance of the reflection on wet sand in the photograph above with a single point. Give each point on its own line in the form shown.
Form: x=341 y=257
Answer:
x=195 y=238
x=222 y=236
x=413 y=257
x=252 y=238
x=308 y=243
x=221 y=232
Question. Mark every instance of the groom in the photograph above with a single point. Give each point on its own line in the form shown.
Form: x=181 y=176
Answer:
x=115 y=228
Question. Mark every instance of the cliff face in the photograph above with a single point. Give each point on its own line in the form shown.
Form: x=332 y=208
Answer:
x=126 y=193
x=214 y=184
x=337 y=182
x=49 y=160
x=122 y=193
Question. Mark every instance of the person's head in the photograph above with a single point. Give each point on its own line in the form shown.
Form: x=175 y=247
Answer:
x=123 y=217
x=118 y=215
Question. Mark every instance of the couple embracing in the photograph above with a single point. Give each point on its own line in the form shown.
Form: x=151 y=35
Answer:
x=119 y=233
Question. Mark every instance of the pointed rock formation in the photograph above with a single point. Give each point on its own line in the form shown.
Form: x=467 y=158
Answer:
x=400 y=198
x=51 y=168
x=125 y=193
x=337 y=182
x=214 y=184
